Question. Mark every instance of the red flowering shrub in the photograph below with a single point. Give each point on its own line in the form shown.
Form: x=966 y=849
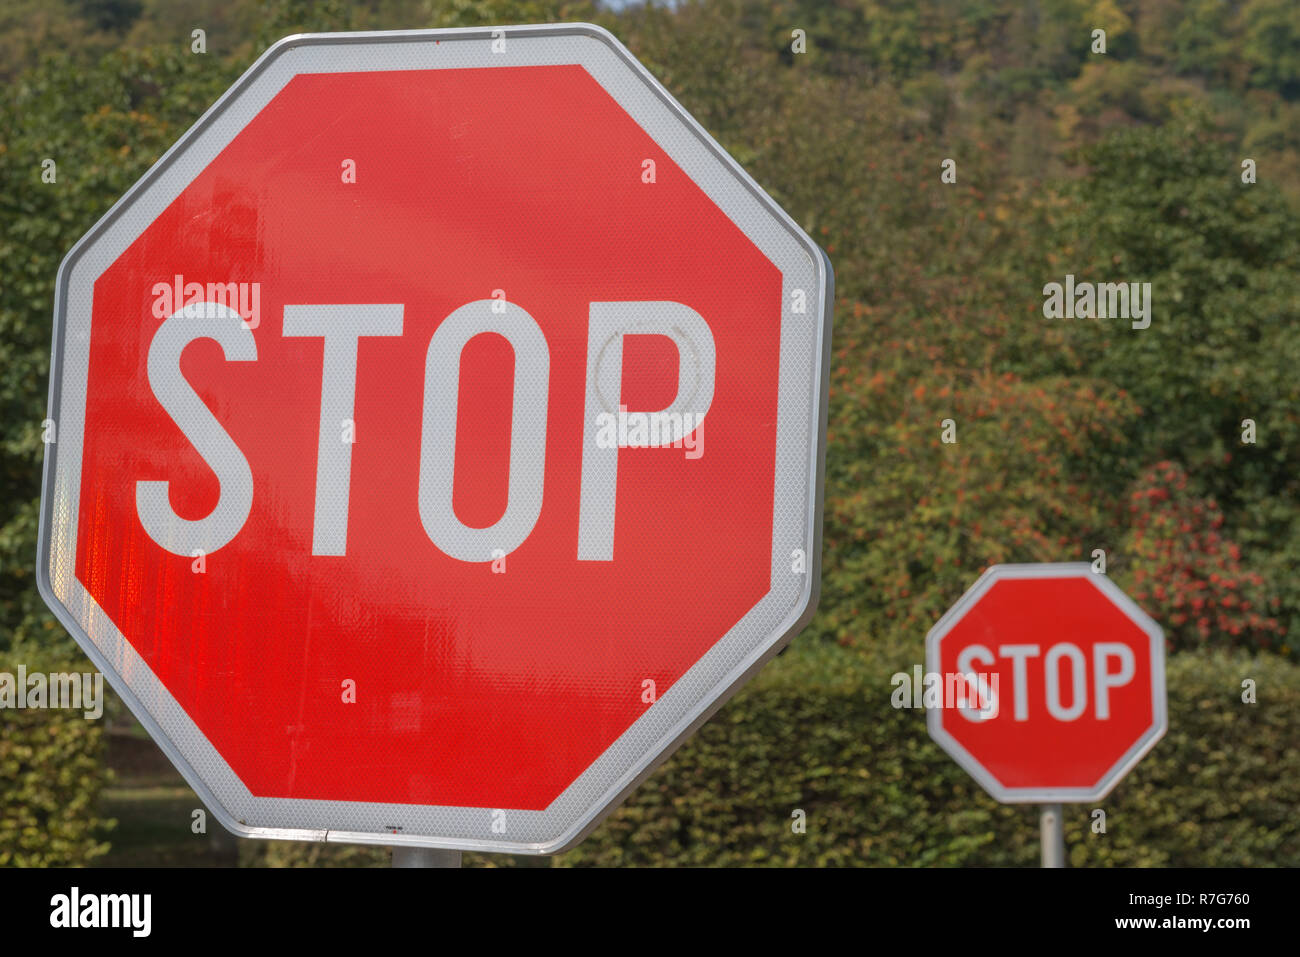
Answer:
x=1179 y=567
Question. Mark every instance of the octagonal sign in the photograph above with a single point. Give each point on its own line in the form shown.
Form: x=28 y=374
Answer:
x=1053 y=683
x=439 y=437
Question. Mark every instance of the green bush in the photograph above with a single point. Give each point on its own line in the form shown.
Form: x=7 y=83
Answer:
x=51 y=776
x=816 y=732
x=310 y=854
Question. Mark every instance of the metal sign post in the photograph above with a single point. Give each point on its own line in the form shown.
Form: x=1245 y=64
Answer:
x=425 y=857
x=1052 y=834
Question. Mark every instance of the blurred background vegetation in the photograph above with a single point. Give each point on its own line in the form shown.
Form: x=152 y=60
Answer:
x=1073 y=435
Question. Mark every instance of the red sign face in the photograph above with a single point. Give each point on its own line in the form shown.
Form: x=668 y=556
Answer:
x=1053 y=683
x=430 y=464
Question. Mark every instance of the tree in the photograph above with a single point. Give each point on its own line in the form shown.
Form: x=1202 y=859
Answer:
x=1167 y=206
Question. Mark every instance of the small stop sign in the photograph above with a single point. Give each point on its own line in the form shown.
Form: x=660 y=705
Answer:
x=1053 y=683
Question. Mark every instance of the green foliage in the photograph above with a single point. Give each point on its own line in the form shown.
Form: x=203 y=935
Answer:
x=912 y=516
x=816 y=732
x=1272 y=44
x=1167 y=206
x=1203 y=39
x=112 y=15
x=305 y=854
x=51 y=776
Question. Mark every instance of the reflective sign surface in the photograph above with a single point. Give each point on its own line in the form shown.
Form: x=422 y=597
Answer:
x=439 y=437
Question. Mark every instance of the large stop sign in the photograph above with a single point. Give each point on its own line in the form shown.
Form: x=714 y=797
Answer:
x=1054 y=683
x=439 y=438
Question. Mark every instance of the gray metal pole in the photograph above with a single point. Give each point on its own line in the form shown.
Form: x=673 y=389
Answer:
x=424 y=857
x=1051 y=830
